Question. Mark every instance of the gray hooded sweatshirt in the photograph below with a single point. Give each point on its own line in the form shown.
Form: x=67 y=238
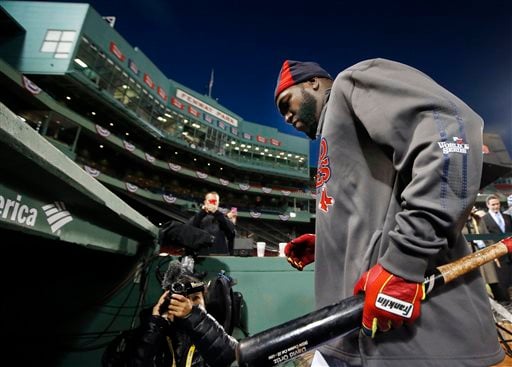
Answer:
x=399 y=169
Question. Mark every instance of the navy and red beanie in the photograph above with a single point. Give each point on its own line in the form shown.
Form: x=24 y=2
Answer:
x=295 y=72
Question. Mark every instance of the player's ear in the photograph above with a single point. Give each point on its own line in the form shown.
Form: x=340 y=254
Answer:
x=314 y=83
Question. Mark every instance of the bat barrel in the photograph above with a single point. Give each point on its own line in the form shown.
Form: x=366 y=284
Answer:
x=295 y=337
x=287 y=341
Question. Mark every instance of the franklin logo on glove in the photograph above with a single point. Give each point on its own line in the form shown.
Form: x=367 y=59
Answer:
x=393 y=305
x=389 y=300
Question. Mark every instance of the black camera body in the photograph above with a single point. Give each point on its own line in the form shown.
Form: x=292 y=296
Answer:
x=183 y=288
x=186 y=288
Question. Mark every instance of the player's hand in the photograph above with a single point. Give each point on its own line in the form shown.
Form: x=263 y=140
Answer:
x=389 y=300
x=301 y=251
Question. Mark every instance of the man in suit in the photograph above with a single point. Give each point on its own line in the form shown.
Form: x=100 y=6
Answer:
x=498 y=222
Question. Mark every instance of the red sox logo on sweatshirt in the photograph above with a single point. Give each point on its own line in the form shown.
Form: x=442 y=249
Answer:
x=323 y=174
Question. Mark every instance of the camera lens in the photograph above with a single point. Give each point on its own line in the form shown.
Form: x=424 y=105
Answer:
x=178 y=287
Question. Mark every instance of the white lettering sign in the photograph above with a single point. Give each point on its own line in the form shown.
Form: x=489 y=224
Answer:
x=15 y=211
x=206 y=107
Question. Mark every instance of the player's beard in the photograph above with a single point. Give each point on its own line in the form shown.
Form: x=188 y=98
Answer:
x=307 y=114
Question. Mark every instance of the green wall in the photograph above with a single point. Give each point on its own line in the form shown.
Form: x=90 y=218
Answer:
x=273 y=291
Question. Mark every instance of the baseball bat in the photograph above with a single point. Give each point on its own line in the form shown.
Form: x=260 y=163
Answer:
x=293 y=338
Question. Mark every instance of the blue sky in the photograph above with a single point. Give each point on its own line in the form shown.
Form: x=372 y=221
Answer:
x=466 y=48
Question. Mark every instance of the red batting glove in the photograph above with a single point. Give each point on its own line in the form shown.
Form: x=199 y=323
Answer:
x=508 y=242
x=301 y=251
x=389 y=300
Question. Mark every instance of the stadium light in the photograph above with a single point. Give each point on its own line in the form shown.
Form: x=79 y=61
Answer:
x=81 y=63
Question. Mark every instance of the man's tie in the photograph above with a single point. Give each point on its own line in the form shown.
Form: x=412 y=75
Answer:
x=501 y=222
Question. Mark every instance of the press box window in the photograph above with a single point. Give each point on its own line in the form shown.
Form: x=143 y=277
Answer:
x=59 y=43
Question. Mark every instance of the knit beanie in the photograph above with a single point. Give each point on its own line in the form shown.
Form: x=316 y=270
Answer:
x=295 y=72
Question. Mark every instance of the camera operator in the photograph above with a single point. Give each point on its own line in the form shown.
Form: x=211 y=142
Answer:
x=222 y=227
x=181 y=333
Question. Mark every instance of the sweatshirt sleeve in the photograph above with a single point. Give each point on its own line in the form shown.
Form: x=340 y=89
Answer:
x=435 y=141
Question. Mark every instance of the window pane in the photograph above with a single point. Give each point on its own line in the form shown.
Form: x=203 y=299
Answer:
x=49 y=47
x=68 y=36
x=52 y=35
x=64 y=47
